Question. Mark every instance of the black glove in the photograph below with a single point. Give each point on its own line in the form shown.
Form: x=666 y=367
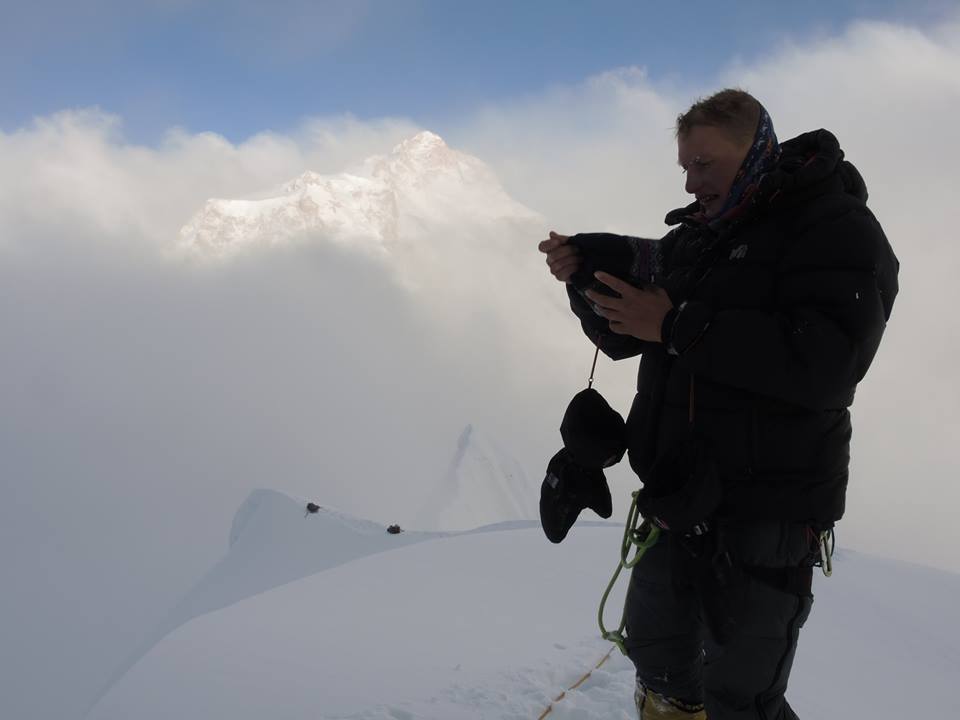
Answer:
x=567 y=489
x=629 y=258
x=593 y=432
x=683 y=489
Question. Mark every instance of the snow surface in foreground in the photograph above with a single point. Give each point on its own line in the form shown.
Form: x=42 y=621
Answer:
x=493 y=624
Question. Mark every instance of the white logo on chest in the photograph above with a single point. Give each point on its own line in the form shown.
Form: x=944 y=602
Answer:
x=739 y=252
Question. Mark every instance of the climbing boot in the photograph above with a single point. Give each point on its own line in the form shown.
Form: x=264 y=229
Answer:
x=654 y=706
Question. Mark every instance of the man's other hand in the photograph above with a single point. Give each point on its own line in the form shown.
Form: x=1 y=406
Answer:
x=562 y=258
x=638 y=311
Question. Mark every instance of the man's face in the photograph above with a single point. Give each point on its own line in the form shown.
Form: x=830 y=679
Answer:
x=710 y=158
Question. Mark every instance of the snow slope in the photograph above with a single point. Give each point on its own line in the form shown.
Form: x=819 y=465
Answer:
x=267 y=550
x=494 y=624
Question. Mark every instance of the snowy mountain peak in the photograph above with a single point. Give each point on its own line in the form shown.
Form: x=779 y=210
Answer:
x=421 y=184
x=426 y=151
x=424 y=143
x=424 y=160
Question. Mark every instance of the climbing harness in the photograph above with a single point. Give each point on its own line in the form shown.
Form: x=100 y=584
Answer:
x=642 y=538
x=577 y=684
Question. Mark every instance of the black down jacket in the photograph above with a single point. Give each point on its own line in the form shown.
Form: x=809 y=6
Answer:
x=778 y=315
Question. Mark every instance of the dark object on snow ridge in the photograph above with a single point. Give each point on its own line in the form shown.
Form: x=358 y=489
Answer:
x=312 y=507
x=394 y=530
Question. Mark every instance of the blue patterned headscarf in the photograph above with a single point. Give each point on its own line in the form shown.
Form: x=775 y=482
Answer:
x=760 y=159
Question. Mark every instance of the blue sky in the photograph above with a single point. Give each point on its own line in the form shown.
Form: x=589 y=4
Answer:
x=240 y=67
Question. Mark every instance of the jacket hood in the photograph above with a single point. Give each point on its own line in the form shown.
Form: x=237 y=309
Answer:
x=811 y=159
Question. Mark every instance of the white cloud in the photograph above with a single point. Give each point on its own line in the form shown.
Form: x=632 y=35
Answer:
x=75 y=168
x=145 y=397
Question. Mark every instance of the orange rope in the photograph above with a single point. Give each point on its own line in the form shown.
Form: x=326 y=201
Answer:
x=577 y=684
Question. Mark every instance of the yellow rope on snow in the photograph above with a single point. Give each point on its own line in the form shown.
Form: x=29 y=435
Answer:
x=577 y=684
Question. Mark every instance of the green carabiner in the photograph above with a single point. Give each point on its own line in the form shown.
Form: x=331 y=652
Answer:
x=643 y=538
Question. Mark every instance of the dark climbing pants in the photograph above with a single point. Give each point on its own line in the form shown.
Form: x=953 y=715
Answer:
x=729 y=646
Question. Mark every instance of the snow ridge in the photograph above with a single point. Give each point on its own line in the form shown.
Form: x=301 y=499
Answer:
x=273 y=542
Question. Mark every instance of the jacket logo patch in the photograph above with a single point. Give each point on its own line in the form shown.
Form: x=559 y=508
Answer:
x=739 y=252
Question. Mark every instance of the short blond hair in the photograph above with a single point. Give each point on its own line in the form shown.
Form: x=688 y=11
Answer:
x=733 y=110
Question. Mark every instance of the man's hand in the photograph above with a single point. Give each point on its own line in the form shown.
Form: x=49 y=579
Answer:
x=563 y=259
x=638 y=311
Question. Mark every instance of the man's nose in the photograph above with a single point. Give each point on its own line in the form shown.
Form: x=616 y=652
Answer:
x=692 y=183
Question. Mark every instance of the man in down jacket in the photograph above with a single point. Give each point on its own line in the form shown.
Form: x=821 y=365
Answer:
x=755 y=317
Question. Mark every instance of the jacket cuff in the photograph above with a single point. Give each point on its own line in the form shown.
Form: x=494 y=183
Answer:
x=683 y=326
x=666 y=326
